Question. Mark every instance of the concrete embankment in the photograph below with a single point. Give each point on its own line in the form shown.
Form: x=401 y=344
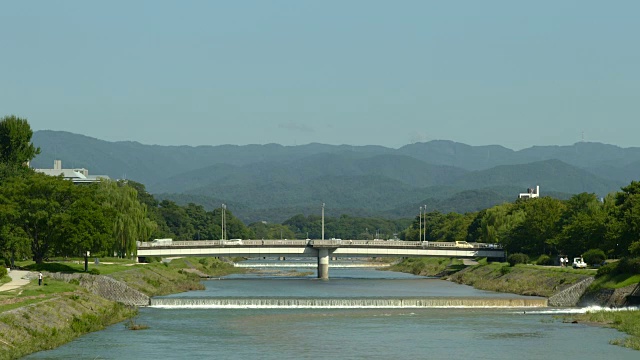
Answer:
x=339 y=303
x=571 y=295
x=106 y=287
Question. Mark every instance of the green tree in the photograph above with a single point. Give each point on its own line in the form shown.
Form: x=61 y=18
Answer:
x=583 y=225
x=15 y=141
x=541 y=224
x=39 y=208
x=624 y=228
x=130 y=222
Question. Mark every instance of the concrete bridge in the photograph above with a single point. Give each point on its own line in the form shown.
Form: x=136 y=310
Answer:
x=320 y=249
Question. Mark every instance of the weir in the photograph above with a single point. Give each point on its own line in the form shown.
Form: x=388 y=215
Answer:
x=285 y=302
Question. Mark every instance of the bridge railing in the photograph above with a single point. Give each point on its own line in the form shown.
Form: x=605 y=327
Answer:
x=334 y=242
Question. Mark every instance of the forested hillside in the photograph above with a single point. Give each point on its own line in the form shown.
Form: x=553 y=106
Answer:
x=273 y=182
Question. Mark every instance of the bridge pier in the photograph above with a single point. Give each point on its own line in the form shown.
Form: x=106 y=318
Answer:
x=323 y=263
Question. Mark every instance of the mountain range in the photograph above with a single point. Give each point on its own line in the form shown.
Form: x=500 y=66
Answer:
x=273 y=182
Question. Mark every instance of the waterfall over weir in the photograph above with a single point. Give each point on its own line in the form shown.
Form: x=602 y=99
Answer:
x=345 y=303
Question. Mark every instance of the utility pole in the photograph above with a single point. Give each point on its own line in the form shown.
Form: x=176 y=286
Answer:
x=425 y=223
x=223 y=222
x=420 y=225
x=322 y=221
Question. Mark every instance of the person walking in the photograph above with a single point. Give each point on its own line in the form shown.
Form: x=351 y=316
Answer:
x=39 y=279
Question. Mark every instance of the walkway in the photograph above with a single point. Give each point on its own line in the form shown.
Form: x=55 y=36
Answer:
x=17 y=280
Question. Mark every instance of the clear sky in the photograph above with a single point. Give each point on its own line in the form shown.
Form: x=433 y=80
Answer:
x=513 y=73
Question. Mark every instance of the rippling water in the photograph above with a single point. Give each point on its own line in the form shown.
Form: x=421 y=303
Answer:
x=346 y=333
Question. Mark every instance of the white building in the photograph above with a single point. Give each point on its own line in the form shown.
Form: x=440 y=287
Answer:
x=531 y=193
x=78 y=176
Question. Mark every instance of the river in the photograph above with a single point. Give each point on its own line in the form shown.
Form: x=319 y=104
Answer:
x=185 y=332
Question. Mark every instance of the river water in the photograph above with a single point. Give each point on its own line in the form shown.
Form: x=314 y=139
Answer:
x=184 y=332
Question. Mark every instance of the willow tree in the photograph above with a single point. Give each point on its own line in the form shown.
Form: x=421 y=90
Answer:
x=130 y=223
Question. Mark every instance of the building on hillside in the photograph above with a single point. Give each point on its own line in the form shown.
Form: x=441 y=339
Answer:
x=78 y=176
x=531 y=193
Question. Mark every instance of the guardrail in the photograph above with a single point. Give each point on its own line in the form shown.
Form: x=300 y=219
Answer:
x=334 y=242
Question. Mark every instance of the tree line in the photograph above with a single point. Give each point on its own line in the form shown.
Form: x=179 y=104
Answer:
x=547 y=226
x=44 y=216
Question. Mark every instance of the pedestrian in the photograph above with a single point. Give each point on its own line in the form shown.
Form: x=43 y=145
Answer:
x=561 y=261
x=39 y=279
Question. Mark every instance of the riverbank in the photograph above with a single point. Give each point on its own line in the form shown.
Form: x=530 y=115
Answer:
x=551 y=282
x=35 y=318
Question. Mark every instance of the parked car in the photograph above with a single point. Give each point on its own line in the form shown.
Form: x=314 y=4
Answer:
x=578 y=263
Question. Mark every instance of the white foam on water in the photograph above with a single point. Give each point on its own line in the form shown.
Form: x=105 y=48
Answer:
x=211 y=306
x=583 y=310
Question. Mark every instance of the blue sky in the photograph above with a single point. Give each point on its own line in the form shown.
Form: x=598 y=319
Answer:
x=513 y=73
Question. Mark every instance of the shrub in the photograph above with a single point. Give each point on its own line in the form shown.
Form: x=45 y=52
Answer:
x=594 y=256
x=629 y=266
x=518 y=258
x=607 y=269
x=3 y=271
x=94 y=271
x=544 y=260
x=505 y=270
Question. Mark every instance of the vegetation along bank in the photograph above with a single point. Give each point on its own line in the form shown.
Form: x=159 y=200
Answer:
x=73 y=303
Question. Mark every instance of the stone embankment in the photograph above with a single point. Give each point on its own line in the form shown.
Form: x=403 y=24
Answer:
x=571 y=295
x=625 y=296
x=106 y=287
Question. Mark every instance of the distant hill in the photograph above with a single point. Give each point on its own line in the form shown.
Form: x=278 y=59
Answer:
x=270 y=182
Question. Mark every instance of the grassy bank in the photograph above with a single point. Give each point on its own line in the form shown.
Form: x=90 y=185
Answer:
x=626 y=321
x=49 y=316
x=520 y=279
x=425 y=266
x=179 y=275
x=35 y=318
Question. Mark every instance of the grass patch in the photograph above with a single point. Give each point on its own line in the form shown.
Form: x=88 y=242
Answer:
x=520 y=279
x=426 y=266
x=626 y=321
x=133 y=325
x=615 y=281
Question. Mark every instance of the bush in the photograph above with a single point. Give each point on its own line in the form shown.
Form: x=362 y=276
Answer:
x=505 y=270
x=629 y=266
x=518 y=258
x=607 y=269
x=3 y=271
x=624 y=266
x=94 y=271
x=544 y=260
x=594 y=256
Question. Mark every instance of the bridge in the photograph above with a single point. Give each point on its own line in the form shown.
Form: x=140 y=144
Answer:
x=320 y=249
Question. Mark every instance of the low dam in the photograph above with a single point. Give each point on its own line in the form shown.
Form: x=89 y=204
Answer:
x=346 y=303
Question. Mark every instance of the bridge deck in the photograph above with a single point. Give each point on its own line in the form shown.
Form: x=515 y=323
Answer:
x=311 y=248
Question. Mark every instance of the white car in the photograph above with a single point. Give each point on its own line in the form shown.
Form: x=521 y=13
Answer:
x=578 y=263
